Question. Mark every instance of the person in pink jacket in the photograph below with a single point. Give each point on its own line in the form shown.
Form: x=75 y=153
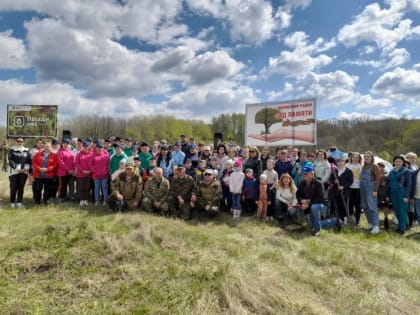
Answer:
x=84 y=173
x=99 y=165
x=66 y=168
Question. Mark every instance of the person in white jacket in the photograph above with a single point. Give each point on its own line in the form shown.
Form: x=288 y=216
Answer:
x=236 y=181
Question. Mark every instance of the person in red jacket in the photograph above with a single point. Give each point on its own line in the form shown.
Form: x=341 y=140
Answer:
x=44 y=165
x=66 y=168
x=84 y=173
x=99 y=165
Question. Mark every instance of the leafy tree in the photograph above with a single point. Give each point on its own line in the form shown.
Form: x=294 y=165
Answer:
x=268 y=117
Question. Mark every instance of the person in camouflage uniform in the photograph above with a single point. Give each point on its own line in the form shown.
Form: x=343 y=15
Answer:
x=181 y=195
x=155 y=194
x=126 y=190
x=209 y=193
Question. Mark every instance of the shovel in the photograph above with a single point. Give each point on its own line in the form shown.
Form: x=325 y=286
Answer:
x=351 y=220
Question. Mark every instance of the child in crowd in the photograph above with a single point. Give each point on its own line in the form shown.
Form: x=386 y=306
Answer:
x=250 y=193
x=226 y=202
x=272 y=178
x=263 y=200
x=189 y=170
x=199 y=172
x=236 y=181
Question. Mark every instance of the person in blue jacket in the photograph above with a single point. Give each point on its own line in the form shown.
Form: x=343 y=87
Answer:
x=399 y=190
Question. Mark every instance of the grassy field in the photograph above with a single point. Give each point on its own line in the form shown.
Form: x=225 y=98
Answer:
x=70 y=261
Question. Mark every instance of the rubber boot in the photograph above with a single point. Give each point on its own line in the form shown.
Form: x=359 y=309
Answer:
x=386 y=223
x=410 y=220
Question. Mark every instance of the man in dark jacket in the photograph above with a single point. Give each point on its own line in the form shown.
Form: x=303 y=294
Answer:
x=310 y=195
x=180 y=193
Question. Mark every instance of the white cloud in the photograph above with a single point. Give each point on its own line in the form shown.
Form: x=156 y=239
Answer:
x=252 y=21
x=376 y=116
x=366 y=102
x=399 y=85
x=301 y=59
x=12 y=52
x=331 y=89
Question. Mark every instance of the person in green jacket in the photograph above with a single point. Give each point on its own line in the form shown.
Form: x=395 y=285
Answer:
x=116 y=158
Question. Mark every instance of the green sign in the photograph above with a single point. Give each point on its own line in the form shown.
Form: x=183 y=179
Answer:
x=32 y=121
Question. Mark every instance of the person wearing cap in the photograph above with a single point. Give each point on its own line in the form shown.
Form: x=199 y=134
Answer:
x=184 y=143
x=250 y=193
x=310 y=197
x=55 y=145
x=44 y=165
x=19 y=160
x=342 y=179
x=177 y=155
x=66 y=169
x=300 y=163
x=205 y=153
x=209 y=194
x=334 y=152
x=180 y=196
x=155 y=194
x=126 y=190
x=99 y=165
x=116 y=158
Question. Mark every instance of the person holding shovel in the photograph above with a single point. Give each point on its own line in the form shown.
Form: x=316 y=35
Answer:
x=342 y=179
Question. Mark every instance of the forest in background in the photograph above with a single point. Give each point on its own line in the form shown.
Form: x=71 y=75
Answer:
x=384 y=137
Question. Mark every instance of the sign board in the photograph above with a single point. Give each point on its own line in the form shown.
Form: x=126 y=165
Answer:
x=32 y=121
x=281 y=123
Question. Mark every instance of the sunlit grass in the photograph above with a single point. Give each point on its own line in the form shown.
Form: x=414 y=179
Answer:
x=71 y=261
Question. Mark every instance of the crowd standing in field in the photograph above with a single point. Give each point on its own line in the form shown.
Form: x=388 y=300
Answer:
x=328 y=187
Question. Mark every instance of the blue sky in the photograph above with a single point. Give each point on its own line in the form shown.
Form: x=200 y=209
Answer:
x=202 y=58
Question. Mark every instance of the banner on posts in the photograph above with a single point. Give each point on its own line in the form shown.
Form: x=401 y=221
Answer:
x=281 y=123
x=32 y=121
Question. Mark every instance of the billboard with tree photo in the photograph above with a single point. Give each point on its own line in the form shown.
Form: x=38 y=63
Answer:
x=281 y=123
x=32 y=121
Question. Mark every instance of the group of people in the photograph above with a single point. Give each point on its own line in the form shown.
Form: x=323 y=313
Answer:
x=328 y=187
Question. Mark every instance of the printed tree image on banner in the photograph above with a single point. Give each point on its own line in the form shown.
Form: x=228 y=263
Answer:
x=281 y=123
x=32 y=121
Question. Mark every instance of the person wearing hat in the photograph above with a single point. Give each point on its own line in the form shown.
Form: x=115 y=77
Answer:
x=310 y=197
x=116 y=158
x=99 y=165
x=44 y=165
x=55 y=145
x=66 y=169
x=180 y=196
x=208 y=194
x=83 y=173
x=19 y=160
x=205 y=153
x=155 y=194
x=126 y=190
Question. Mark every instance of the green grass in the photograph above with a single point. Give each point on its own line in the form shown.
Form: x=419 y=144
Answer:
x=71 y=261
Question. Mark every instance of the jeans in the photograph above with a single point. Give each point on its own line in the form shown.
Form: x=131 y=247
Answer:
x=101 y=184
x=315 y=218
x=237 y=201
x=417 y=208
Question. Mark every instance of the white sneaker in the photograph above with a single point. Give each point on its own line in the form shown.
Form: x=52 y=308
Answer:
x=375 y=230
x=82 y=202
x=369 y=226
x=12 y=205
x=86 y=203
x=394 y=219
x=19 y=205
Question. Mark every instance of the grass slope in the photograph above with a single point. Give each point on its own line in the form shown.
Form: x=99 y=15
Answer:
x=71 y=261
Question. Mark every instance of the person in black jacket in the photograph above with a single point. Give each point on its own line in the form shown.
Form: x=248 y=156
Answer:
x=254 y=162
x=342 y=178
x=19 y=166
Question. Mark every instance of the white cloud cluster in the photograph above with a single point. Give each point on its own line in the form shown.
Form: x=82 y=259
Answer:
x=12 y=52
x=303 y=57
x=383 y=27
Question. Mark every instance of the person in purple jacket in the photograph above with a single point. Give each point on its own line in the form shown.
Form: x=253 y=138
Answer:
x=99 y=166
x=66 y=168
